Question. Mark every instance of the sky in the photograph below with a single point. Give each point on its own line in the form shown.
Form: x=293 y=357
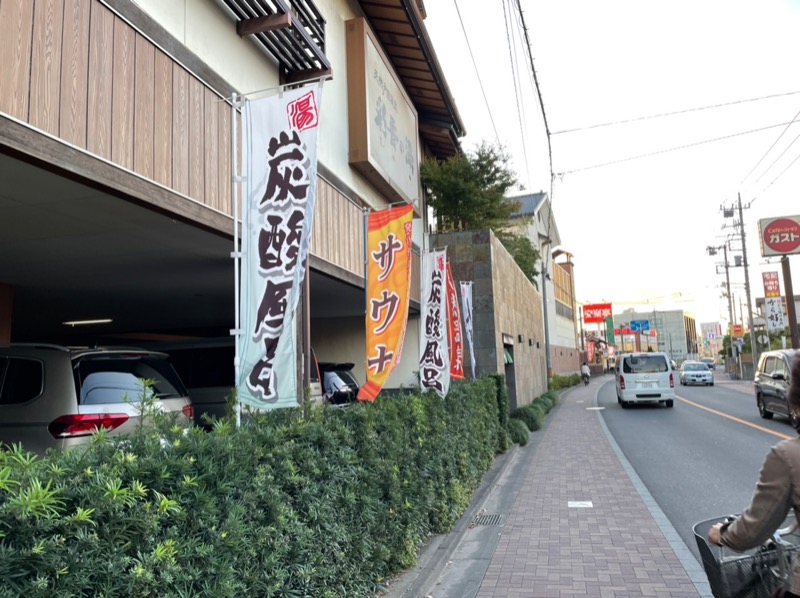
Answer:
x=697 y=95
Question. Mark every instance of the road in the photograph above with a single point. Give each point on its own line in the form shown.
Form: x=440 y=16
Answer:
x=701 y=458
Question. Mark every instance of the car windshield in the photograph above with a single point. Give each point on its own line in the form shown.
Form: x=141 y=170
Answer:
x=697 y=367
x=644 y=364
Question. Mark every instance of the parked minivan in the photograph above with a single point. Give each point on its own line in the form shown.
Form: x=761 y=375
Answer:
x=54 y=397
x=644 y=377
x=772 y=379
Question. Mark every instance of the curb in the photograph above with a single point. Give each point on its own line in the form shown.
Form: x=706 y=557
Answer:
x=437 y=553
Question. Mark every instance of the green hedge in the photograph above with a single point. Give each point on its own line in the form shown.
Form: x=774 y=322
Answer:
x=557 y=382
x=328 y=505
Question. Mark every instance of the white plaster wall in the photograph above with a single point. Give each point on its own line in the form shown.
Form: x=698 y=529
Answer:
x=563 y=332
x=206 y=29
x=343 y=340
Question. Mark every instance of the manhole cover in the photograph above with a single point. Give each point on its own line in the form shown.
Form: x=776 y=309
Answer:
x=487 y=520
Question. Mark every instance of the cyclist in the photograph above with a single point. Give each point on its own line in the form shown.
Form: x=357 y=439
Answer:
x=585 y=372
x=777 y=491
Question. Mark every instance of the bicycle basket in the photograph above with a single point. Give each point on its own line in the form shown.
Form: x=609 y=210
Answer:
x=752 y=574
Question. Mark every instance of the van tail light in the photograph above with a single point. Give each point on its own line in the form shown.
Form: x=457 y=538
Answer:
x=671 y=381
x=621 y=382
x=188 y=411
x=72 y=426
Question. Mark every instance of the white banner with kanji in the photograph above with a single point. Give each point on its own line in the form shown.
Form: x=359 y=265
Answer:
x=434 y=365
x=280 y=161
x=466 y=309
x=773 y=313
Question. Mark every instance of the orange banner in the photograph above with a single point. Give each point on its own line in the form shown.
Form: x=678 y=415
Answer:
x=388 y=287
x=454 y=333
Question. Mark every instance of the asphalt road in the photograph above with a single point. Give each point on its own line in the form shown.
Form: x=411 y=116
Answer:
x=699 y=459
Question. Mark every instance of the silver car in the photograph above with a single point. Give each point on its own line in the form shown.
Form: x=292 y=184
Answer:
x=55 y=397
x=696 y=372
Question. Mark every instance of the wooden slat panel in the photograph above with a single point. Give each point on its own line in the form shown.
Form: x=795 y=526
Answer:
x=48 y=19
x=143 y=108
x=162 y=134
x=75 y=72
x=122 y=92
x=180 y=130
x=342 y=244
x=196 y=130
x=225 y=161
x=211 y=145
x=16 y=27
x=101 y=63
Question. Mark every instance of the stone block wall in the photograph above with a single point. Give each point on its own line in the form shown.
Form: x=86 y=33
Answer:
x=505 y=305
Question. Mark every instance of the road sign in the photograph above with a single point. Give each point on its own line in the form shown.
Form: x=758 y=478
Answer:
x=640 y=325
x=763 y=339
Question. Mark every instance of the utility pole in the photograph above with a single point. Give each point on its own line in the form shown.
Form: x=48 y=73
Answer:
x=713 y=251
x=754 y=349
x=544 y=313
x=789 y=293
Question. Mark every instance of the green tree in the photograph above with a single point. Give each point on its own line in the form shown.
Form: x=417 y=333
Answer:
x=468 y=192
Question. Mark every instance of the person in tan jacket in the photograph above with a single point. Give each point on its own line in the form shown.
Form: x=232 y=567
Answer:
x=777 y=491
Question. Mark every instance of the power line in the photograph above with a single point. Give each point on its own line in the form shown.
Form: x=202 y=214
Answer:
x=674 y=113
x=511 y=57
x=477 y=74
x=786 y=149
x=673 y=149
x=770 y=149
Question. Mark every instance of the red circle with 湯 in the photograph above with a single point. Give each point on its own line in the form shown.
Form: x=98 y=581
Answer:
x=788 y=235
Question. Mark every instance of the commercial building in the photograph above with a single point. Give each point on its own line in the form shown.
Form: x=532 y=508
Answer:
x=675 y=333
x=121 y=152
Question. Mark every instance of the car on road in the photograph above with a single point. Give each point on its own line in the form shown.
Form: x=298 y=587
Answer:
x=696 y=372
x=772 y=380
x=54 y=397
x=709 y=362
x=645 y=377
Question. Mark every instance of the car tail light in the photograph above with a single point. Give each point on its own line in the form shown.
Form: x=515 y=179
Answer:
x=671 y=381
x=188 y=411
x=72 y=426
x=621 y=383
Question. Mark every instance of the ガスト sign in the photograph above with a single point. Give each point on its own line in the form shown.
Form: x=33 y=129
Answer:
x=780 y=236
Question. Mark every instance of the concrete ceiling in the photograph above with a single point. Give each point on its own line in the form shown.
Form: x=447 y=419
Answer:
x=72 y=252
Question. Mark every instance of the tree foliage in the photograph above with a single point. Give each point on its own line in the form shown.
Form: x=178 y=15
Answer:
x=468 y=192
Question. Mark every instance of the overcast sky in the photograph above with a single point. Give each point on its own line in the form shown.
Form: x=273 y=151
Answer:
x=636 y=213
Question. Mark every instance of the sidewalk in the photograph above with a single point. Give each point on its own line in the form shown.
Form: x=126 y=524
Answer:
x=565 y=515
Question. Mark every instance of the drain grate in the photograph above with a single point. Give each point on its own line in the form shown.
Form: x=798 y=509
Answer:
x=487 y=520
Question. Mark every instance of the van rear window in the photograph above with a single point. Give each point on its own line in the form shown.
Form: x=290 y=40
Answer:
x=644 y=364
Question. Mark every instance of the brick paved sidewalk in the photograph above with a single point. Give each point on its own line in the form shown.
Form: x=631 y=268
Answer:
x=572 y=522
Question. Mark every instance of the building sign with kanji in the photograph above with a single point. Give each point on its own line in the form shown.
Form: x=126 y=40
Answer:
x=772 y=285
x=596 y=313
x=383 y=127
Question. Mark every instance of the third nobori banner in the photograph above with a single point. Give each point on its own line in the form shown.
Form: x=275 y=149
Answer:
x=596 y=313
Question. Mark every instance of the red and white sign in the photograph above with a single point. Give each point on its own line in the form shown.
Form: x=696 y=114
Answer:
x=596 y=313
x=779 y=236
x=772 y=286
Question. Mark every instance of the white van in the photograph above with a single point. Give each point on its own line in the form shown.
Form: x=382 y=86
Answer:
x=644 y=377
